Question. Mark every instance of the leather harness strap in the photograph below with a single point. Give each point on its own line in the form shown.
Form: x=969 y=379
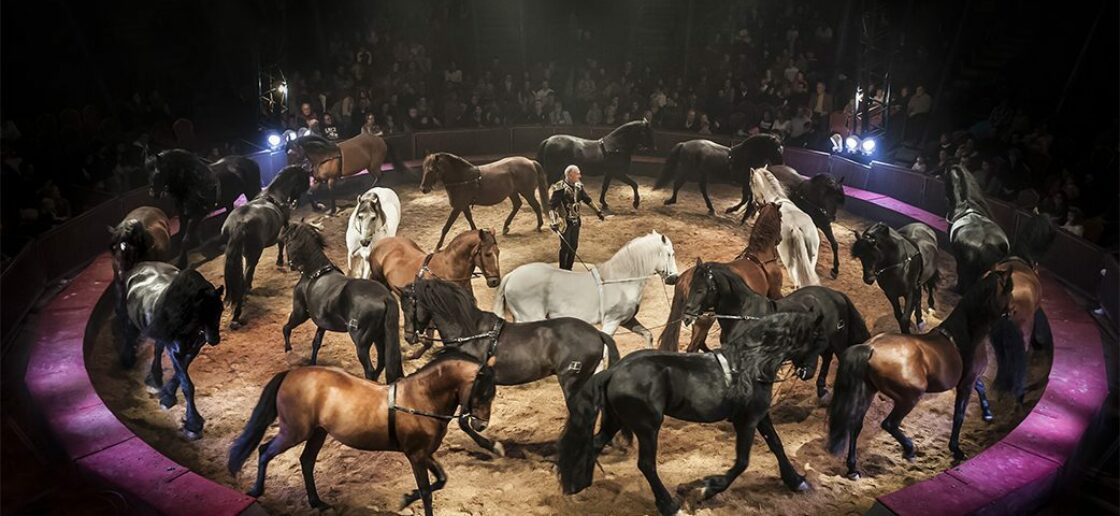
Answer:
x=724 y=365
x=319 y=273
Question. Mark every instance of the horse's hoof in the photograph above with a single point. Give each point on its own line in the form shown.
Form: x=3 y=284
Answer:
x=801 y=487
x=318 y=206
x=234 y=325
x=166 y=404
x=922 y=326
x=255 y=493
x=499 y=450
x=192 y=435
x=152 y=389
x=712 y=213
x=988 y=418
x=505 y=231
x=854 y=475
x=408 y=499
x=319 y=505
x=669 y=202
x=834 y=274
x=636 y=203
x=911 y=457
x=730 y=210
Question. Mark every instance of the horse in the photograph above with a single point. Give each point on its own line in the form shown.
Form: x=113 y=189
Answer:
x=719 y=289
x=905 y=367
x=376 y=216
x=485 y=185
x=608 y=156
x=180 y=311
x=819 y=197
x=409 y=416
x=902 y=262
x=252 y=227
x=732 y=384
x=398 y=261
x=329 y=161
x=608 y=294
x=800 y=242
x=976 y=240
x=199 y=189
x=566 y=348
x=705 y=160
x=365 y=309
x=143 y=236
x=756 y=265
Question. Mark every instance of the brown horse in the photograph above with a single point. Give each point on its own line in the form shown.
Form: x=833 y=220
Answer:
x=409 y=416
x=1008 y=335
x=397 y=261
x=758 y=266
x=485 y=185
x=329 y=161
x=904 y=367
x=143 y=236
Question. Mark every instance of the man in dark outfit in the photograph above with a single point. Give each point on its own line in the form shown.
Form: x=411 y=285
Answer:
x=564 y=198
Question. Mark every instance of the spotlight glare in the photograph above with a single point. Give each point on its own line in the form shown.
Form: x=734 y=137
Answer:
x=282 y=88
x=274 y=140
x=851 y=143
x=868 y=146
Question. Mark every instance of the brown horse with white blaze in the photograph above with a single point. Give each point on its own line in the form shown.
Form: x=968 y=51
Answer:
x=485 y=185
x=329 y=161
x=409 y=416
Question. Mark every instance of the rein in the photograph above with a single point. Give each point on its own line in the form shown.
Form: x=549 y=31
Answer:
x=899 y=264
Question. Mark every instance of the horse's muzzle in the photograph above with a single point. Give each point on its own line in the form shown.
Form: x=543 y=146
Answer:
x=364 y=242
x=671 y=279
x=425 y=189
x=476 y=424
x=493 y=281
x=804 y=373
x=870 y=280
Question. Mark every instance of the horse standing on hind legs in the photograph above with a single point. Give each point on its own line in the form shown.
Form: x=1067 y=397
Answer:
x=199 y=189
x=329 y=161
x=608 y=156
x=705 y=160
x=905 y=367
x=486 y=185
x=902 y=262
x=409 y=416
x=732 y=384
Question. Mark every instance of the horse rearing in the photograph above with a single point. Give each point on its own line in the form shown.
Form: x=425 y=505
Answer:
x=608 y=156
x=329 y=161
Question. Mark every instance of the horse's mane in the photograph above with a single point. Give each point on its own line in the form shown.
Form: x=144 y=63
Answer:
x=725 y=276
x=767 y=230
x=763 y=182
x=180 y=164
x=633 y=257
x=624 y=129
x=133 y=232
x=960 y=178
x=307 y=242
x=1034 y=238
x=458 y=162
x=758 y=144
x=184 y=298
x=485 y=237
x=447 y=299
x=292 y=179
x=757 y=349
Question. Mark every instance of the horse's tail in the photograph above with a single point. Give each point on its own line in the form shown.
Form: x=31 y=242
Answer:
x=670 y=336
x=612 y=355
x=235 y=268
x=1011 y=356
x=126 y=339
x=851 y=399
x=394 y=158
x=802 y=269
x=500 y=298
x=577 y=444
x=857 y=327
x=549 y=176
x=263 y=416
x=669 y=171
x=394 y=369
x=542 y=182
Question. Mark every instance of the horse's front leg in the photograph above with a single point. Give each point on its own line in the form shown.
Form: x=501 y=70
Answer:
x=330 y=193
x=451 y=217
x=827 y=230
x=899 y=315
x=484 y=443
x=154 y=380
x=748 y=196
x=964 y=391
x=792 y=479
x=636 y=327
x=744 y=438
x=985 y=406
x=633 y=185
x=822 y=375
x=280 y=255
x=607 y=178
x=193 y=422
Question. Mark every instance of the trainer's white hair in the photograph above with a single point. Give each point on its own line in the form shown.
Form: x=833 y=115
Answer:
x=569 y=170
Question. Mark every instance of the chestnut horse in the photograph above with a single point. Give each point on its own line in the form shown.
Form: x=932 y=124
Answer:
x=397 y=261
x=409 y=416
x=329 y=161
x=757 y=265
x=143 y=236
x=485 y=185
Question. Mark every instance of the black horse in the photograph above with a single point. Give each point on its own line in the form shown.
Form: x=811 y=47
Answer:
x=902 y=262
x=976 y=240
x=1033 y=239
x=732 y=384
x=705 y=160
x=199 y=189
x=819 y=197
x=252 y=227
x=179 y=311
x=717 y=288
x=565 y=347
x=608 y=156
x=365 y=309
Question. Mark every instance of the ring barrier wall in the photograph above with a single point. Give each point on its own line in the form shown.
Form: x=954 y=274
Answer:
x=1026 y=462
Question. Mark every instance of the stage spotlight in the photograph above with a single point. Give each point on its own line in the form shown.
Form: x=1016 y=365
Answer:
x=868 y=146
x=274 y=141
x=290 y=135
x=282 y=88
x=851 y=143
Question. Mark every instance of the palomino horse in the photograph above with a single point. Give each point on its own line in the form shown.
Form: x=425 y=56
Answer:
x=398 y=261
x=757 y=265
x=566 y=348
x=252 y=227
x=732 y=384
x=329 y=161
x=902 y=262
x=409 y=416
x=800 y=243
x=976 y=240
x=179 y=311
x=376 y=216
x=705 y=160
x=608 y=156
x=485 y=185
x=143 y=236
x=364 y=309
x=905 y=367
x=199 y=189
x=608 y=294
x=819 y=197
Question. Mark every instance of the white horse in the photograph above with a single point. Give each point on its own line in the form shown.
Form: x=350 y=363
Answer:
x=609 y=294
x=376 y=216
x=800 y=243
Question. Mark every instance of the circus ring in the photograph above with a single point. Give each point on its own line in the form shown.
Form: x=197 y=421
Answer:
x=1011 y=474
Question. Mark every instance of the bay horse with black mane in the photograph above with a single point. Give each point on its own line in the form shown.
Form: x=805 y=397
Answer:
x=719 y=289
x=409 y=416
x=485 y=185
x=143 y=236
x=704 y=160
x=902 y=262
x=252 y=227
x=905 y=367
x=329 y=161
x=608 y=156
x=364 y=309
x=819 y=197
x=564 y=347
x=735 y=383
x=758 y=265
x=976 y=240
x=199 y=189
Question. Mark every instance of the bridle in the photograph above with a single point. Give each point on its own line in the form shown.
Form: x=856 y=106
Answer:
x=426 y=270
x=464 y=416
x=711 y=281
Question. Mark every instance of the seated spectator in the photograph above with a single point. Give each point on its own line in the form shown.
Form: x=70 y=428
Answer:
x=705 y=125
x=610 y=115
x=370 y=125
x=691 y=121
x=558 y=116
x=920 y=165
x=1075 y=222
x=782 y=125
x=329 y=129
x=536 y=115
x=594 y=115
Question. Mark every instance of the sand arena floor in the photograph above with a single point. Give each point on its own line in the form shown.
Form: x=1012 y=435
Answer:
x=528 y=419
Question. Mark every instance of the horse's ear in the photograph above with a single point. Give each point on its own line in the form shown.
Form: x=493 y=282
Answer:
x=111 y=229
x=699 y=262
x=664 y=240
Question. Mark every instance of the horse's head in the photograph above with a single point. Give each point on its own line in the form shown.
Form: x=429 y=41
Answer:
x=756 y=151
x=303 y=241
x=666 y=261
x=417 y=318
x=155 y=165
x=485 y=256
x=291 y=183
x=703 y=293
x=868 y=248
x=430 y=171
x=369 y=217
x=130 y=241
x=828 y=193
x=995 y=293
x=210 y=314
x=476 y=397
x=809 y=338
x=294 y=152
